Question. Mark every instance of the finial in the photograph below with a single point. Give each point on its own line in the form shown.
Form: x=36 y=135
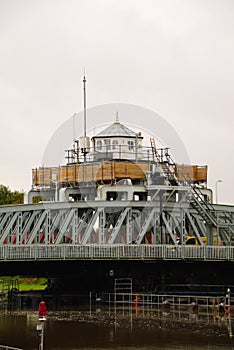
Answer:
x=117 y=117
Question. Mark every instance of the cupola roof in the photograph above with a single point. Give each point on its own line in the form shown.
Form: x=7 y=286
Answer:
x=117 y=130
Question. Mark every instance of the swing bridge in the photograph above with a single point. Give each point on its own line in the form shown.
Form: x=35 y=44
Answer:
x=120 y=211
x=175 y=222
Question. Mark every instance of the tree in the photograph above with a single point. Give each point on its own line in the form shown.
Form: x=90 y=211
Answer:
x=10 y=197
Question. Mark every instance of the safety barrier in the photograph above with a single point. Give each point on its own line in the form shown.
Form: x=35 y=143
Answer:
x=115 y=251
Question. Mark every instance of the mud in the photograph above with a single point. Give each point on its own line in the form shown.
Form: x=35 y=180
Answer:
x=130 y=329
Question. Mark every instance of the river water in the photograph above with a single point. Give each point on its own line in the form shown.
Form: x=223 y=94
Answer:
x=130 y=329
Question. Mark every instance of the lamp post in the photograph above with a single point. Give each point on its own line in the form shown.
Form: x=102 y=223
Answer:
x=216 y=190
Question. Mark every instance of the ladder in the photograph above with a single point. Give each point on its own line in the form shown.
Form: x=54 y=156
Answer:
x=165 y=161
x=154 y=150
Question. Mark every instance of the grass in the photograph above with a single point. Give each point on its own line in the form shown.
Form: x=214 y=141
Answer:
x=24 y=283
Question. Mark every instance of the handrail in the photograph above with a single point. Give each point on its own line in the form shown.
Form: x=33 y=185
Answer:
x=38 y=252
x=198 y=196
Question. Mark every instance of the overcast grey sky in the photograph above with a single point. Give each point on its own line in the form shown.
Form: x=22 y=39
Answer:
x=175 y=57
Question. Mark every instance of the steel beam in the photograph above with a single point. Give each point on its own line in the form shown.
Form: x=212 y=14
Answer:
x=90 y=226
x=196 y=233
x=118 y=225
x=145 y=225
x=8 y=228
x=64 y=226
x=169 y=229
x=36 y=228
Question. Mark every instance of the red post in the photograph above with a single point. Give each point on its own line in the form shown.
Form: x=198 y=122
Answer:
x=42 y=318
x=42 y=310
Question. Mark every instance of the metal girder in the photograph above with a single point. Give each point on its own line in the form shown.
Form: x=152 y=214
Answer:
x=179 y=224
x=90 y=226
x=169 y=229
x=47 y=228
x=129 y=225
x=202 y=210
x=137 y=224
x=8 y=227
x=4 y=220
x=110 y=219
x=40 y=223
x=101 y=229
x=118 y=225
x=75 y=223
x=64 y=226
x=182 y=225
x=82 y=222
x=155 y=194
x=55 y=222
x=201 y=225
x=223 y=234
x=28 y=224
x=170 y=194
x=36 y=227
x=196 y=233
x=19 y=228
x=145 y=225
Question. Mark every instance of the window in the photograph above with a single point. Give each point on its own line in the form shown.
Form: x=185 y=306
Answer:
x=130 y=145
x=114 y=144
x=99 y=145
x=107 y=145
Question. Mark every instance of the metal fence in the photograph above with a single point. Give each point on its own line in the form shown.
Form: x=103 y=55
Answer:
x=164 y=300
x=115 y=251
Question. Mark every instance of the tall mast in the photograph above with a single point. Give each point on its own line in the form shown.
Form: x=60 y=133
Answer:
x=84 y=84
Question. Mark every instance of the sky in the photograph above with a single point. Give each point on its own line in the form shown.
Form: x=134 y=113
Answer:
x=173 y=57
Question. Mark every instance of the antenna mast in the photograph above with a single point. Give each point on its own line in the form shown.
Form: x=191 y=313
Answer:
x=84 y=83
x=73 y=127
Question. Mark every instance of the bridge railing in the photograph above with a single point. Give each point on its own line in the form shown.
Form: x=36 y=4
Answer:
x=115 y=251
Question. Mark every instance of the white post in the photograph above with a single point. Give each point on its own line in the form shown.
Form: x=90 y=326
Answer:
x=56 y=192
x=42 y=336
x=216 y=190
x=40 y=329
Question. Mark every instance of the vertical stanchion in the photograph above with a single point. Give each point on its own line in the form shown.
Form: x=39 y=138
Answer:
x=90 y=303
x=228 y=299
x=229 y=312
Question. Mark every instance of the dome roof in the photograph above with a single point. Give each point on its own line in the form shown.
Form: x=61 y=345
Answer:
x=117 y=130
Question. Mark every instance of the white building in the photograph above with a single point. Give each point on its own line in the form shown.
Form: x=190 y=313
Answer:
x=117 y=142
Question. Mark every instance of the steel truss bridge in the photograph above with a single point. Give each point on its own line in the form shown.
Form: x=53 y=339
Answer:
x=156 y=228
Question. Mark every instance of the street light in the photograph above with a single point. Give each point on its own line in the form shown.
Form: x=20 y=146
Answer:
x=216 y=190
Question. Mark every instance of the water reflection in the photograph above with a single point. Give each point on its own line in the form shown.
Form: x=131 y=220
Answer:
x=133 y=328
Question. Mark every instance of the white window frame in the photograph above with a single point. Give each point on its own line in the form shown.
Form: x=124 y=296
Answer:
x=115 y=144
x=131 y=145
x=99 y=145
x=107 y=145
